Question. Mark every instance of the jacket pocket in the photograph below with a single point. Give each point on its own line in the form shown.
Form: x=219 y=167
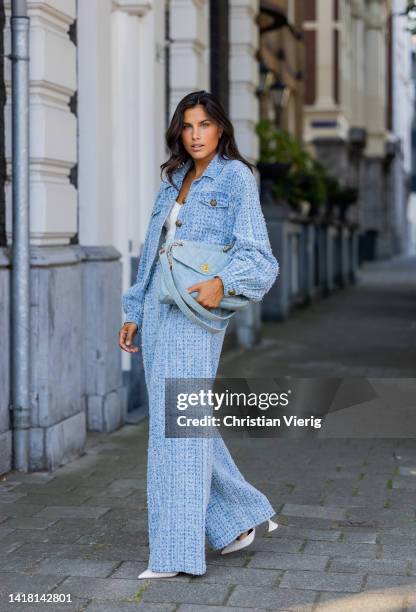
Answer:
x=215 y=199
x=214 y=214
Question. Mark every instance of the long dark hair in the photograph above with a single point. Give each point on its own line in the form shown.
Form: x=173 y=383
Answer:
x=227 y=147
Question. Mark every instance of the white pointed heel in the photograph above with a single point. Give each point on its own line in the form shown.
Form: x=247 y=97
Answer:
x=148 y=573
x=240 y=544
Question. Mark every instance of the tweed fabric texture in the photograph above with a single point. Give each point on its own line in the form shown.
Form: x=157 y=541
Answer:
x=222 y=207
x=194 y=488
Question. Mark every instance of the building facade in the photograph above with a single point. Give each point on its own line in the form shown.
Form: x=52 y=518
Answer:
x=358 y=110
x=105 y=77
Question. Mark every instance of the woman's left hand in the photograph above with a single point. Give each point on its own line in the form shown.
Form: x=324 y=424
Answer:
x=210 y=292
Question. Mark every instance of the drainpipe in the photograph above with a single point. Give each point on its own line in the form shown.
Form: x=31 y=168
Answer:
x=20 y=295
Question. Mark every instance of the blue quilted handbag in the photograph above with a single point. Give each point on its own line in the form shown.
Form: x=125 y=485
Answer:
x=186 y=262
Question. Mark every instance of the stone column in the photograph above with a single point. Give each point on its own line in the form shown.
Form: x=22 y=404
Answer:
x=403 y=90
x=244 y=114
x=358 y=76
x=374 y=204
x=327 y=120
x=375 y=76
x=357 y=132
x=325 y=55
x=189 y=59
x=244 y=75
x=94 y=120
x=138 y=126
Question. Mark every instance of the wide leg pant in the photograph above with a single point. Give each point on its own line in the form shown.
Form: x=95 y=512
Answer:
x=194 y=488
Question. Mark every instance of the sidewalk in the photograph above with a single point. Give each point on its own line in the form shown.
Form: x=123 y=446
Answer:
x=347 y=535
x=346 y=540
x=368 y=329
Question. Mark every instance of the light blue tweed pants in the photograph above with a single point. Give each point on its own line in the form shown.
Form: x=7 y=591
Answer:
x=194 y=488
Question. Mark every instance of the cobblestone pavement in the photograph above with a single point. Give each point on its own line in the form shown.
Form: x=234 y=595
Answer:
x=346 y=539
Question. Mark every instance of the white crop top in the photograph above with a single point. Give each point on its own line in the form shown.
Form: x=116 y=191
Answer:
x=171 y=220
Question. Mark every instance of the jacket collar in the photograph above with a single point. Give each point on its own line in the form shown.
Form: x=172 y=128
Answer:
x=212 y=170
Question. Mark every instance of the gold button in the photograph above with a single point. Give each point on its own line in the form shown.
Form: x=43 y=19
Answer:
x=178 y=223
x=231 y=292
x=213 y=202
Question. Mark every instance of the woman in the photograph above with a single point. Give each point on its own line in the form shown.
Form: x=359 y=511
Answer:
x=194 y=488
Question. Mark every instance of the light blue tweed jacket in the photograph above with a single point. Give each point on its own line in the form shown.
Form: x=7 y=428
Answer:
x=222 y=207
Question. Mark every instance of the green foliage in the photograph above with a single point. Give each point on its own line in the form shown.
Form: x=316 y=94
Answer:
x=277 y=146
x=339 y=195
x=307 y=179
x=411 y=6
x=410 y=12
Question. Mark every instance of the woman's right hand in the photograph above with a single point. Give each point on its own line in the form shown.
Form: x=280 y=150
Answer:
x=126 y=337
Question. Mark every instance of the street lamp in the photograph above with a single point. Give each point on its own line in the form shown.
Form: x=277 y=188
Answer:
x=271 y=89
x=280 y=94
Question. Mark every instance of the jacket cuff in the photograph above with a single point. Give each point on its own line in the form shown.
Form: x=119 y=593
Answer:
x=230 y=287
x=130 y=320
x=134 y=315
